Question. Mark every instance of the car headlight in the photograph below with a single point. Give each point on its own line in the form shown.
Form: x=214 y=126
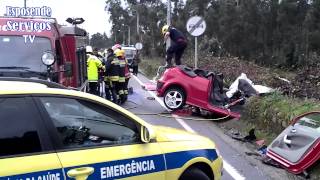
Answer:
x=47 y=58
x=218 y=152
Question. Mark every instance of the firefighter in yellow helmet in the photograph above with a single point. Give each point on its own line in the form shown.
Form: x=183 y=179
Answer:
x=112 y=76
x=122 y=79
x=178 y=46
x=93 y=65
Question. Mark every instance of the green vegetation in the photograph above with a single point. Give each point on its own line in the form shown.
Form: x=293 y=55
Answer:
x=149 y=66
x=271 y=32
x=274 y=112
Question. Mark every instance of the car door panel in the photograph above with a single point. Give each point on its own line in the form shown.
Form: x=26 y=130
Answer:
x=26 y=151
x=128 y=161
x=110 y=146
x=45 y=166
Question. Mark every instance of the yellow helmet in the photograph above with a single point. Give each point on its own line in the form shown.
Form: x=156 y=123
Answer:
x=165 y=29
x=122 y=53
x=117 y=52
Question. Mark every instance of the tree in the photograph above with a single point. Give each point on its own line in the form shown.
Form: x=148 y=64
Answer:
x=100 y=41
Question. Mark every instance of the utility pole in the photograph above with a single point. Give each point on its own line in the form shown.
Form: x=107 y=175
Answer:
x=168 y=21
x=138 y=31
x=124 y=38
x=129 y=35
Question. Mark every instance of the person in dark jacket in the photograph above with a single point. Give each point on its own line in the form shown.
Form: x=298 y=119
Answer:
x=135 y=63
x=178 y=44
x=111 y=76
x=120 y=54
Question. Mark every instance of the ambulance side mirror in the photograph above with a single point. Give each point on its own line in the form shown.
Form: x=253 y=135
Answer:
x=147 y=134
x=68 y=69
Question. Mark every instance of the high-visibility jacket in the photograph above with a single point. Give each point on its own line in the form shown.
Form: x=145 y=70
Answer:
x=112 y=68
x=93 y=64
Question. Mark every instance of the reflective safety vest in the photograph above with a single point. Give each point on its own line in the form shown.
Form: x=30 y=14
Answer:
x=112 y=68
x=93 y=64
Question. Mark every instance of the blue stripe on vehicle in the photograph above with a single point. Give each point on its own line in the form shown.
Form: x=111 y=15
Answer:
x=178 y=159
x=127 y=167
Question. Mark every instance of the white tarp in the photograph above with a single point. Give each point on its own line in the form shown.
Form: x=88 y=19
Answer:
x=234 y=86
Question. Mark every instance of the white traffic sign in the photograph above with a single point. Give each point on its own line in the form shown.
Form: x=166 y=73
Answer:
x=196 y=25
x=138 y=46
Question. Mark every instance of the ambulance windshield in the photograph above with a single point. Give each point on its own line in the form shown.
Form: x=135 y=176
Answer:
x=23 y=51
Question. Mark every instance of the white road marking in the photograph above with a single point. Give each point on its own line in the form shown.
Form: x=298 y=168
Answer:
x=228 y=167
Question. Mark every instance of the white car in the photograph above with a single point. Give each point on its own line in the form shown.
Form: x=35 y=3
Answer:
x=130 y=52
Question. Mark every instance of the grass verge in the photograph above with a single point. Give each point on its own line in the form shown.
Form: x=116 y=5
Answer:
x=149 y=66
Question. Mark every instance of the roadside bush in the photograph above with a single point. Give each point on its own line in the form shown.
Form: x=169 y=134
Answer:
x=274 y=112
x=149 y=66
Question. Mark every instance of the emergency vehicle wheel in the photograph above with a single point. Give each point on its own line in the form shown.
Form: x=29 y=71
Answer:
x=194 y=173
x=174 y=98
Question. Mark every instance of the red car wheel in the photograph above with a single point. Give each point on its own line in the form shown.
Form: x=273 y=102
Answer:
x=174 y=98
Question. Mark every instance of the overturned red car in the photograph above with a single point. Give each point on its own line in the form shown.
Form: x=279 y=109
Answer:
x=298 y=146
x=182 y=85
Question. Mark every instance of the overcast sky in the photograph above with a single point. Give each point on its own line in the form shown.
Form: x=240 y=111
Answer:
x=96 y=19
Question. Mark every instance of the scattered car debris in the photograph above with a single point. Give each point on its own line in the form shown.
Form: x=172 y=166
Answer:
x=263 y=150
x=271 y=162
x=284 y=79
x=149 y=87
x=249 y=138
x=151 y=98
x=130 y=90
x=260 y=142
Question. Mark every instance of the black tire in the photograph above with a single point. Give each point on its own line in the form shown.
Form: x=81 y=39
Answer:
x=194 y=174
x=174 y=98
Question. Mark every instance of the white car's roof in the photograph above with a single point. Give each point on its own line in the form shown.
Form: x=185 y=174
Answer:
x=18 y=85
x=130 y=48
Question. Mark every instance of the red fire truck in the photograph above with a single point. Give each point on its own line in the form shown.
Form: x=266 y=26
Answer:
x=41 y=48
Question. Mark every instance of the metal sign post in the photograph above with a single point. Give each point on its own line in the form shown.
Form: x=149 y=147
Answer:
x=196 y=52
x=196 y=26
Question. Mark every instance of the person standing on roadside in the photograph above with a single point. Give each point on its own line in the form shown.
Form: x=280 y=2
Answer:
x=122 y=74
x=93 y=65
x=112 y=76
x=135 y=63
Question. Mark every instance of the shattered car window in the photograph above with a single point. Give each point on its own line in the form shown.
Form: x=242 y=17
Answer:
x=311 y=121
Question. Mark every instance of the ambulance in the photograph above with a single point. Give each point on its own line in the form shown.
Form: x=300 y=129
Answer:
x=53 y=133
